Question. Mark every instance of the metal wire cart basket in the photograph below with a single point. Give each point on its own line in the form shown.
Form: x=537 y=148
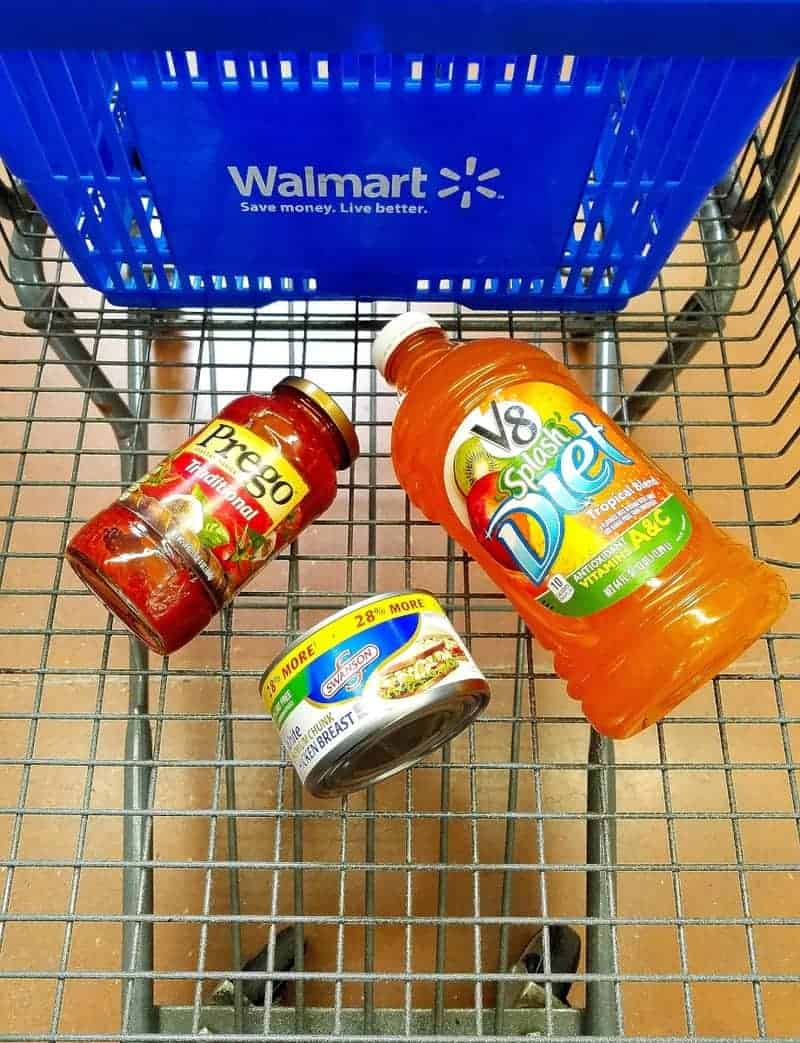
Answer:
x=161 y=872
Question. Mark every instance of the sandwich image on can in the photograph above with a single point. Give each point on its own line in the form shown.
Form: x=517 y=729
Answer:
x=432 y=658
x=371 y=690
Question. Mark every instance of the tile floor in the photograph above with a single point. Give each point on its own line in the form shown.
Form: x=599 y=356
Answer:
x=708 y=834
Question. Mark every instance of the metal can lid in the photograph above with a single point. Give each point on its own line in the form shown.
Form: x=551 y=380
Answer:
x=333 y=411
x=369 y=756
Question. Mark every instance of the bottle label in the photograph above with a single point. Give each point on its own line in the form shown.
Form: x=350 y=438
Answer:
x=226 y=498
x=551 y=492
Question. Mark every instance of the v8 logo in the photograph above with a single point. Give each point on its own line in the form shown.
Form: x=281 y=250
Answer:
x=515 y=426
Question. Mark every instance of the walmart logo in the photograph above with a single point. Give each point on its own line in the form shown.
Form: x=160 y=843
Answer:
x=289 y=189
x=466 y=184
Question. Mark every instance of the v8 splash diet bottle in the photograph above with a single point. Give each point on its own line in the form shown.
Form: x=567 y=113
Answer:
x=639 y=596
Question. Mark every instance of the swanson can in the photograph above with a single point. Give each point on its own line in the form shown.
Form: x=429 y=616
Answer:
x=370 y=690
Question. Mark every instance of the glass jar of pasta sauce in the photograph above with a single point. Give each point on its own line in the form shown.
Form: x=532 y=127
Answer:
x=180 y=542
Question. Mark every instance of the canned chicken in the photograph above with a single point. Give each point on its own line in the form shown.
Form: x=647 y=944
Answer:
x=371 y=690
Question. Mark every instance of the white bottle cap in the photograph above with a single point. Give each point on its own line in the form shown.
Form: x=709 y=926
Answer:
x=395 y=332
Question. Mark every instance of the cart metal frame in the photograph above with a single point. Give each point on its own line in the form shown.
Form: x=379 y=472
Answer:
x=757 y=195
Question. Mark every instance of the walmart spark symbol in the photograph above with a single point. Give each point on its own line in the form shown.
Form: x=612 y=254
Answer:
x=476 y=183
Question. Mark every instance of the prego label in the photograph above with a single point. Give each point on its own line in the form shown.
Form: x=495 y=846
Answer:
x=539 y=478
x=226 y=498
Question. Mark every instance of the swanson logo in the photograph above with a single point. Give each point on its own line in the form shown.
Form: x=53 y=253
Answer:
x=349 y=671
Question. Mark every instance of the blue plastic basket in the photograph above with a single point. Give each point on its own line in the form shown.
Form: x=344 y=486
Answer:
x=539 y=154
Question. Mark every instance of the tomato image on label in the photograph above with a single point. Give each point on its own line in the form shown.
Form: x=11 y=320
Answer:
x=540 y=482
x=482 y=503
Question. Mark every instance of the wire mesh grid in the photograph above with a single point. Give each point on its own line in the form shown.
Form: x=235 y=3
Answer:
x=406 y=906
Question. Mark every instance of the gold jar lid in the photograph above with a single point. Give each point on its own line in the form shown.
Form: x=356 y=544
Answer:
x=333 y=411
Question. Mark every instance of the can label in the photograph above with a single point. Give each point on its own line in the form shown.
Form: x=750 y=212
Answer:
x=553 y=494
x=227 y=498
x=349 y=674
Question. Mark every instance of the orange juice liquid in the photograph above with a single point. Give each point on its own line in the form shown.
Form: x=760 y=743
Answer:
x=641 y=599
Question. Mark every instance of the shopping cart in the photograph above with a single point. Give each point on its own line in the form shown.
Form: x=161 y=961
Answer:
x=445 y=903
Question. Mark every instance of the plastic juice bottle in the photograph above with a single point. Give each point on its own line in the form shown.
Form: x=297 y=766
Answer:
x=641 y=599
